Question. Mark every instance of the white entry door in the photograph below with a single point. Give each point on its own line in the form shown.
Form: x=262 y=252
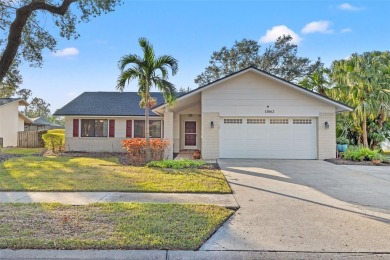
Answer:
x=268 y=138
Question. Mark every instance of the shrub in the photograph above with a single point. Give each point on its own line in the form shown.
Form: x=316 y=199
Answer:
x=359 y=153
x=378 y=156
x=54 y=140
x=136 y=149
x=342 y=140
x=176 y=164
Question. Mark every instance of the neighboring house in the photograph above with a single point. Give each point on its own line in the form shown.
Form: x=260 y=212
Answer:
x=11 y=120
x=248 y=114
x=40 y=123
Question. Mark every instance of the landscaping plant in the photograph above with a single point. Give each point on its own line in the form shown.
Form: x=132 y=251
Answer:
x=54 y=140
x=176 y=164
x=360 y=153
x=136 y=149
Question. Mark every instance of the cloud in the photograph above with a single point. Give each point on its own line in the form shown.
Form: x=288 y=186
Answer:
x=272 y=34
x=317 y=27
x=349 y=7
x=346 y=30
x=66 y=52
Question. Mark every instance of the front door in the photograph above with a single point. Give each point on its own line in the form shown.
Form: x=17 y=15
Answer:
x=190 y=134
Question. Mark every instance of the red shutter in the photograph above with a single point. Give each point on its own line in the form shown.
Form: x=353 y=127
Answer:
x=112 y=129
x=75 y=128
x=129 y=128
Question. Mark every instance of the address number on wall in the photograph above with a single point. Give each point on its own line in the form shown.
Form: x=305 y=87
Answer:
x=269 y=111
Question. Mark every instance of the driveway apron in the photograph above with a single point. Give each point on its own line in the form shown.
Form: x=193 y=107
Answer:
x=304 y=205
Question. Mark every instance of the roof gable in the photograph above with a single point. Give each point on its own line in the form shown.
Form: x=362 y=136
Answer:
x=339 y=106
x=107 y=104
x=5 y=101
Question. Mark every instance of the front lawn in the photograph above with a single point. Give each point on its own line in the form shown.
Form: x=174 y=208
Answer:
x=33 y=173
x=109 y=225
x=21 y=151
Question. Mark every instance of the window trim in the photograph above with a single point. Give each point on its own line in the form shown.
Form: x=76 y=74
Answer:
x=161 y=128
x=94 y=119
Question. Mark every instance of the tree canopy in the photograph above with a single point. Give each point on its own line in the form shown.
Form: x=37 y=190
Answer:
x=363 y=82
x=23 y=35
x=280 y=59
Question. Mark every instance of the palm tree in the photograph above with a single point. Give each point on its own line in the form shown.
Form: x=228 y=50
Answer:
x=363 y=83
x=318 y=81
x=150 y=71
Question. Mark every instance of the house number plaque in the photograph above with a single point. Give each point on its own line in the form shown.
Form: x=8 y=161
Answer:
x=268 y=111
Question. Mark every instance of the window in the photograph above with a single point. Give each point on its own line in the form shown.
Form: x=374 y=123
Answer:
x=94 y=127
x=154 y=128
x=302 y=121
x=279 y=121
x=256 y=121
x=232 y=121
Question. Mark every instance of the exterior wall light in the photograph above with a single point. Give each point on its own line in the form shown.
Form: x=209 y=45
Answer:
x=212 y=124
x=326 y=125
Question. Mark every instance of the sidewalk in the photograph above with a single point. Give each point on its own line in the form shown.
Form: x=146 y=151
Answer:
x=185 y=255
x=82 y=198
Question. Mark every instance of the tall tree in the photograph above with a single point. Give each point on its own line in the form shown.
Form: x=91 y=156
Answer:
x=38 y=108
x=24 y=19
x=363 y=82
x=318 y=81
x=280 y=59
x=150 y=71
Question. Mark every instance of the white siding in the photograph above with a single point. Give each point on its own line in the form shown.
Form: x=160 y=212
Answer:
x=9 y=118
x=251 y=94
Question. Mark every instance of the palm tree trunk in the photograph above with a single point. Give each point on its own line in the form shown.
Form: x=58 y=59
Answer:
x=364 y=128
x=147 y=131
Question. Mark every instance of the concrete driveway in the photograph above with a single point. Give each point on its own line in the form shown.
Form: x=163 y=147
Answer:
x=312 y=206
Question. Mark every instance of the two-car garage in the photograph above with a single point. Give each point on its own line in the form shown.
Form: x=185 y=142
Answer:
x=268 y=138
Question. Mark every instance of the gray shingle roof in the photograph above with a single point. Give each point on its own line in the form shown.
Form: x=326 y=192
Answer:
x=107 y=104
x=4 y=101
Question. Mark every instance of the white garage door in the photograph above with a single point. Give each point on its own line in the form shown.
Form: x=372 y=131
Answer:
x=268 y=138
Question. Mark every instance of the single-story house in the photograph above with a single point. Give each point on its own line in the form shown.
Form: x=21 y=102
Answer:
x=40 y=123
x=11 y=120
x=248 y=114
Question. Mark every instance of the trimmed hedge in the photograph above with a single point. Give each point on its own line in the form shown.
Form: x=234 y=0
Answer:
x=54 y=140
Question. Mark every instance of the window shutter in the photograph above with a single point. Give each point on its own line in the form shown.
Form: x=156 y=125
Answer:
x=112 y=129
x=129 y=128
x=75 y=128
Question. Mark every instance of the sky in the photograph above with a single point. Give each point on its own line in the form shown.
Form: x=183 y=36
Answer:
x=191 y=30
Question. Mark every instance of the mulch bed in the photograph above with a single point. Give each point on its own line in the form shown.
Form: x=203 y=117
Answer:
x=348 y=162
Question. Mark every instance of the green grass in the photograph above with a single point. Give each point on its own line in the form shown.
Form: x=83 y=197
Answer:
x=21 y=151
x=109 y=226
x=176 y=164
x=33 y=173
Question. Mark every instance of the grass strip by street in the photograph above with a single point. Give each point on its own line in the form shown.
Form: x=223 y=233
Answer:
x=109 y=225
x=37 y=173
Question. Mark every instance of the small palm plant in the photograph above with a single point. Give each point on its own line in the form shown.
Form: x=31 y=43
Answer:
x=150 y=71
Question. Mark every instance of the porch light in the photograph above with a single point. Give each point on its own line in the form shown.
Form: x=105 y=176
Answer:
x=212 y=124
x=326 y=125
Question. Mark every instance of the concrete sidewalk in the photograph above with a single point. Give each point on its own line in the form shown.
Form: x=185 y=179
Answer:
x=184 y=255
x=82 y=198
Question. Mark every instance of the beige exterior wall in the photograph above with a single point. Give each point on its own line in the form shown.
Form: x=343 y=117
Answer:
x=210 y=136
x=326 y=137
x=176 y=133
x=20 y=124
x=9 y=123
x=250 y=95
x=168 y=133
x=98 y=144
